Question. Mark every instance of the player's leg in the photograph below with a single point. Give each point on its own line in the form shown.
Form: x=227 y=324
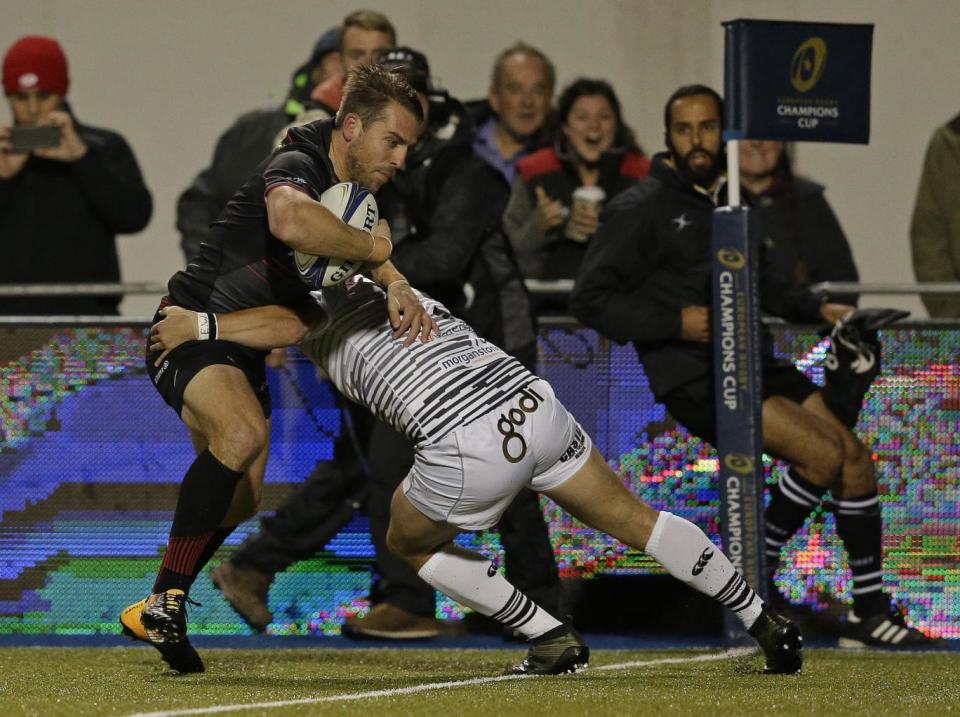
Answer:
x=218 y=403
x=874 y=621
x=815 y=452
x=472 y=580
x=596 y=496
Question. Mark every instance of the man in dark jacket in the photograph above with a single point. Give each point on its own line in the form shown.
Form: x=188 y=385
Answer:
x=61 y=206
x=646 y=279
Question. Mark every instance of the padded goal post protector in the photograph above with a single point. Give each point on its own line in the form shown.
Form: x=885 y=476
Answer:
x=736 y=345
x=797 y=81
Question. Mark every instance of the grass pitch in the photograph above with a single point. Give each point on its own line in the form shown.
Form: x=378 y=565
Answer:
x=125 y=681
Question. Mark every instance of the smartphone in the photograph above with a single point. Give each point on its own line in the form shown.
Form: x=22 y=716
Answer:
x=24 y=139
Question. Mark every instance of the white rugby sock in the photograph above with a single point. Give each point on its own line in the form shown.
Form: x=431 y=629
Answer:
x=475 y=582
x=688 y=555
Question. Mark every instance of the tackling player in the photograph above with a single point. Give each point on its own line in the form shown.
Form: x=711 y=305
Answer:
x=218 y=385
x=485 y=428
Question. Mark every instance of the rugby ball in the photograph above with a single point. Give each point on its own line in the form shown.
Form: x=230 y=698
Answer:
x=355 y=206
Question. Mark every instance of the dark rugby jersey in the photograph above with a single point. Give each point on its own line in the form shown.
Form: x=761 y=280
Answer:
x=241 y=264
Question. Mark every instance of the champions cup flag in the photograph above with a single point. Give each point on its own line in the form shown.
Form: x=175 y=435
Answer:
x=797 y=81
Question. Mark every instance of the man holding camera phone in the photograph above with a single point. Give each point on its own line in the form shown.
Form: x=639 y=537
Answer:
x=66 y=189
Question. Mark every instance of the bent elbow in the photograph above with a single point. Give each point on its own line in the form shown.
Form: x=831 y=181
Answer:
x=281 y=213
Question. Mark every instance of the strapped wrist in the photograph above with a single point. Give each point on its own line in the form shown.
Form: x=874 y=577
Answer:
x=207 y=327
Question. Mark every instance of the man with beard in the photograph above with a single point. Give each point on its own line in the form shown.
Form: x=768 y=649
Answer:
x=646 y=279
x=218 y=387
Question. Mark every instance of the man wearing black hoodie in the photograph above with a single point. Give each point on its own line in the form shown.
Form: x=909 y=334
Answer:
x=646 y=279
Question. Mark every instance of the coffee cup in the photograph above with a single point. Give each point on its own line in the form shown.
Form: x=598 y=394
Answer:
x=589 y=197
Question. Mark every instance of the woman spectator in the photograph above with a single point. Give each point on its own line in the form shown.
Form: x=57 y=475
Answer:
x=549 y=231
x=798 y=227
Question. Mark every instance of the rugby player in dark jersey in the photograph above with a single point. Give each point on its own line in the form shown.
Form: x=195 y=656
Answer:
x=217 y=387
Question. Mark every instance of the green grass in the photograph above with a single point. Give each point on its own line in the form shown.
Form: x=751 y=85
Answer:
x=117 y=681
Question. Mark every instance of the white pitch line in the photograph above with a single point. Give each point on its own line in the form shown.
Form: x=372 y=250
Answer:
x=430 y=686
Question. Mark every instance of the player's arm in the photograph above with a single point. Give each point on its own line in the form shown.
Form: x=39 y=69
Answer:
x=407 y=314
x=302 y=223
x=262 y=328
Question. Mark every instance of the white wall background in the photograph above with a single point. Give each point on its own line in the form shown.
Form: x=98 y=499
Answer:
x=171 y=75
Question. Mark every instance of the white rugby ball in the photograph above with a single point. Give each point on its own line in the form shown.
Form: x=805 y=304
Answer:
x=355 y=206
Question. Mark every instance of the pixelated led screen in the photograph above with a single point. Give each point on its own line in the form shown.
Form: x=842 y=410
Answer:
x=91 y=459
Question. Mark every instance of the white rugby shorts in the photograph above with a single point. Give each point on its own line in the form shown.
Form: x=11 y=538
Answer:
x=470 y=476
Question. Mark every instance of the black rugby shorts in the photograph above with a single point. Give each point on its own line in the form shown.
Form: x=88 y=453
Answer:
x=179 y=367
x=693 y=406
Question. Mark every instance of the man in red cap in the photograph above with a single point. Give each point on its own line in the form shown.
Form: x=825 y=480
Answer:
x=63 y=199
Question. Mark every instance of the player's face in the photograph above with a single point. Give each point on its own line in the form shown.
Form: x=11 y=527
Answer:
x=522 y=97
x=591 y=127
x=362 y=47
x=759 y=157
x=30 y=106
x=380 y=149
x=694 y=137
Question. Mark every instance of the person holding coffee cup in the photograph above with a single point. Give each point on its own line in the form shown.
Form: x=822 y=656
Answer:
x=555 y=203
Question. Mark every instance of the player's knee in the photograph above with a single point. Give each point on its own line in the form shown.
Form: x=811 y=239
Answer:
x=240 y=442
x=859 y=477
x=398 y=544
x=828 y=456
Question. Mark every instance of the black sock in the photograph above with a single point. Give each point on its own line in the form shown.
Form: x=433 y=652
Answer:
x=859 y=526
x=791 y=501
x=204 y=500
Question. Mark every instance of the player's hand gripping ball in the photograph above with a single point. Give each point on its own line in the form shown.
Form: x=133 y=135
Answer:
x=355 y=206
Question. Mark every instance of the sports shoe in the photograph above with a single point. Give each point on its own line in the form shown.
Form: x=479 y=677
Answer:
x=179 y=655
x=164 y=616
x=246 y=590
x=887 y=630
x=781 y=642
x=389 y=622
x=555 y=652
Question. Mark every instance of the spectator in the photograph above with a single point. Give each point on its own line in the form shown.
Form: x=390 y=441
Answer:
x=646 y=279
x=515 y=117
x=594 y=148
x=366 y=35
x=935 y=228
x=801 y=233
x=61 y=206
x=244 y=145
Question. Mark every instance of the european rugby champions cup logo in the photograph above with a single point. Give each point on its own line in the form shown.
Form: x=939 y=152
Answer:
x=808 y=64
x=732 y=259
x=738 y=463
x=801 y=109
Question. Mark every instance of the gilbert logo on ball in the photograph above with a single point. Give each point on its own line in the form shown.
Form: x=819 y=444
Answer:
x=356 y=207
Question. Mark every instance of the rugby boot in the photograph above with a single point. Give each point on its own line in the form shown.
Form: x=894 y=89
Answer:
x=246 y=590
x=555 y=652
x=179 y=655
x=781 y=642
x=165 y=615
x=888 y=630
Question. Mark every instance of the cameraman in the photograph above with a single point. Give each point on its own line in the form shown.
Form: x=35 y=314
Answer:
x=62 y=200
